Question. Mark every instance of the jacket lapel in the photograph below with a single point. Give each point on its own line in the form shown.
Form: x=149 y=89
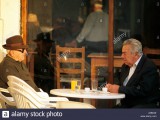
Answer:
x=138 y=68
x=125 y=72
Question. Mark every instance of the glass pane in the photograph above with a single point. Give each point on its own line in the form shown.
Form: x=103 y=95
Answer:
x=137 y=19
x=127 y=21
x=67 y=23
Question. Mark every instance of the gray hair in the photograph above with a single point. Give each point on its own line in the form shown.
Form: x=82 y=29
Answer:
x=136 y=45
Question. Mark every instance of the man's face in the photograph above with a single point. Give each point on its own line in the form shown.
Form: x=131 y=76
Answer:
x=20 y=54
x=127 y=56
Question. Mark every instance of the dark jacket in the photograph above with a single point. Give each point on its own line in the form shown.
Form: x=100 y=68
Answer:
x=11 y=67
x=43 y=73
x=142 y=87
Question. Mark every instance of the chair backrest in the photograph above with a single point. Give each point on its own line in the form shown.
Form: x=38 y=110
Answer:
x=24 y=99
x=6 y=100
x=153 y=51
x=13 y=79
x=70 y=61
x=16 y=82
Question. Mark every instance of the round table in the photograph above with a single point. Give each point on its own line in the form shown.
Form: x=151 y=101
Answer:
x=86 y=95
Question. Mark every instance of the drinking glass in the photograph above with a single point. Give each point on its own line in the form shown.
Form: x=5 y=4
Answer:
x=73 y=84
x=78 y=86
x=94 y=85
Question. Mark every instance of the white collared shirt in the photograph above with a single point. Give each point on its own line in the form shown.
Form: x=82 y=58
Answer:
x=131 y=71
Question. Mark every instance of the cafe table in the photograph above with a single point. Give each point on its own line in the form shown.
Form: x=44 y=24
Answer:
x=87 y=96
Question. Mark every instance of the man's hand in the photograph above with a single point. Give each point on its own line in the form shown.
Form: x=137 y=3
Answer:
x=112 y=88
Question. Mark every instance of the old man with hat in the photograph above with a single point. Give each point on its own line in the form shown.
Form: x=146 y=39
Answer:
x=12 y=64
x=43 y=69
x=44 y=43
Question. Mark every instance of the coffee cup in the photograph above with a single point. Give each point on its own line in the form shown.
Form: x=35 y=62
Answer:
x=104 y=89
x=87 y=89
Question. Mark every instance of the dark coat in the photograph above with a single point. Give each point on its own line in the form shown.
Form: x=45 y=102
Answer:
x=142 y=88
x=43 y=73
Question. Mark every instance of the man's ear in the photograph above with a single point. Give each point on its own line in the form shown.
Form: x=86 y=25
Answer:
x=136 y=53
x=11 y=52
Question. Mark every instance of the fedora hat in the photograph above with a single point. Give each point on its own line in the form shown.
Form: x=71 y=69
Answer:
x=44 y=37
x=14 y=42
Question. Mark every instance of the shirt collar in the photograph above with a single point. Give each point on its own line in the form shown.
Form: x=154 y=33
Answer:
x=136 y=63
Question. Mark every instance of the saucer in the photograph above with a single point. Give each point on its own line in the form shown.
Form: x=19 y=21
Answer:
x=104 y=92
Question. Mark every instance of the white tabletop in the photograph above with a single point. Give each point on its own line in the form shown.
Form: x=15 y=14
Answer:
x=84 y=94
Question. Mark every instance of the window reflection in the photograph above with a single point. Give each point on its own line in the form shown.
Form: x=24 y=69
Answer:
x=64 y=20
x=137 y=19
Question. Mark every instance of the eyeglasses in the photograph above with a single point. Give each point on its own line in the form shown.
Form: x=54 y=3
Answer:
x=22 y=51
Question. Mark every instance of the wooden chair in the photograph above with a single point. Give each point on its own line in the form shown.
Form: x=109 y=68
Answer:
x=70 y=62
x=153 y=51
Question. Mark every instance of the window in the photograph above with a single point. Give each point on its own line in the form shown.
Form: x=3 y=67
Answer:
x=65 y=19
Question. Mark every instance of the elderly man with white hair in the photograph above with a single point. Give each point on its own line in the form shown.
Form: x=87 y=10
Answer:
x=139 y=79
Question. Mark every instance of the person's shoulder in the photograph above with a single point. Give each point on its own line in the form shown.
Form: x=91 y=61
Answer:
x=92 y=14
x=101 y=14
x=4 y=62
x=148 y=62
x=104 y=13
x=7 y=63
